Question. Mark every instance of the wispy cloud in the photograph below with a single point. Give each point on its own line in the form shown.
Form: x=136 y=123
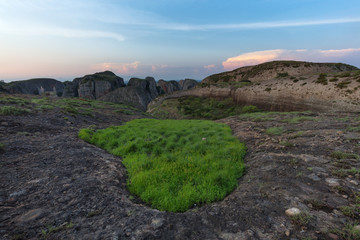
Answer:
x=256 y=25
x=57 y=31
x=257 y=57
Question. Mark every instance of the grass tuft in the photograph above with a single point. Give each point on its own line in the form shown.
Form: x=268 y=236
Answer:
x=174 y=164
x=274 y=131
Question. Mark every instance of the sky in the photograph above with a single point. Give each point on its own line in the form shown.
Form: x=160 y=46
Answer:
x=171 y=39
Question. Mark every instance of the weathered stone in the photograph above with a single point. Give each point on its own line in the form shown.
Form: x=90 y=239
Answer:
x=332 y=182
x=30 y=215
x=33 y=86
x=292 y=212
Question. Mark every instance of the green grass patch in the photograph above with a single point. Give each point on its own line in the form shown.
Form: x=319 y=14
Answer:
x=343 y=84
x=344 y=155
x=174 y=164
x=10 y=110
x=14 y=100
x=274 y=131
x=207 y=108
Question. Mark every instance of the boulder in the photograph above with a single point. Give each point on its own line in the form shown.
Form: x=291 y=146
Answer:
x=96 y=85
x=188 y=84
x=169 y=86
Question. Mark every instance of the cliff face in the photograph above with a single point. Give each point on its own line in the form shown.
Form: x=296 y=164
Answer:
x=188 y=84
x=95 y=85
x=33 y=86
x=148 y=84
x=169 y=86
x=133 y=96
x=276 y=69
x=139 y=93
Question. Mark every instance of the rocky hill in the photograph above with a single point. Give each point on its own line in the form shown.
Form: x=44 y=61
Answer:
x=33 y=86
x=285 y=86
x=277 y=69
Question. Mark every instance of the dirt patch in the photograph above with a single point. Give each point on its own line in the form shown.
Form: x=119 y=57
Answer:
x=55 y=186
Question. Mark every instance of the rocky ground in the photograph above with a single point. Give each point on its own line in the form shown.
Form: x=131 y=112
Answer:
x=56 y=186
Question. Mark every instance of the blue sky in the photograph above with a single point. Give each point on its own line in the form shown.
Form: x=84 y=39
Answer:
x=171 y=39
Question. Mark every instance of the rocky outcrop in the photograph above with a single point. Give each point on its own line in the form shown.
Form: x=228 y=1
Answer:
x=188 y=84
x=96 y=85
x=169 y=86
x=148 y=85
x=71 y=88
x=276 y=69
x=139 y=93
x=131 y=95
x=33 y=86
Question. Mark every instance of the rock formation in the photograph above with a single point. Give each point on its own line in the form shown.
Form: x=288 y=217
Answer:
x=188 y=84
x=96 y=85
x=169 y=86
x=32 y=86
x=148 y=84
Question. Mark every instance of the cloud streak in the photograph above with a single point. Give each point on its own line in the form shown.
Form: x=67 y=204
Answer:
x=257 y=25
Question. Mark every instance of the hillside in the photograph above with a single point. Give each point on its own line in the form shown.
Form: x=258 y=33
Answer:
x=277 y=69
x=273 y=86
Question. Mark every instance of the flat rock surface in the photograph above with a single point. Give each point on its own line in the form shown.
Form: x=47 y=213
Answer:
x=56 y=186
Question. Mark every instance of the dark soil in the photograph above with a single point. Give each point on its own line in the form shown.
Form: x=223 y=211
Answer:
x=56 y=186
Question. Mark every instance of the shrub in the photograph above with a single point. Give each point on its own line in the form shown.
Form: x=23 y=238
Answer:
x=322 y=79
x=343 y=84
x=174 y=164
x=282 y=75
x=249 y=109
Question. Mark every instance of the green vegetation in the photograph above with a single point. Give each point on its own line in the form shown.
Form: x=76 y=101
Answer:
x=349 y=232
x=267 y=90
x=302 y=219
x=52 y=229
x=282 y=75
x=350 y=211
x=322 y=79
x=334 y=79
x=299 y=119
x=2 y=147
x=10 y=110
x=174 y=164
x=14 y=100
x=210 y=108
x=343 y=84
x=344 y=155
x=274 y=131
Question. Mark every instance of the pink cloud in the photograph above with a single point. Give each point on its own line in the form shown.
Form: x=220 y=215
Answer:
x=122 y=68
x=209 y=67
x=251 y=58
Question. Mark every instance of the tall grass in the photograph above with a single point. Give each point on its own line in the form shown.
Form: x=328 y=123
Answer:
x=174 y=164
